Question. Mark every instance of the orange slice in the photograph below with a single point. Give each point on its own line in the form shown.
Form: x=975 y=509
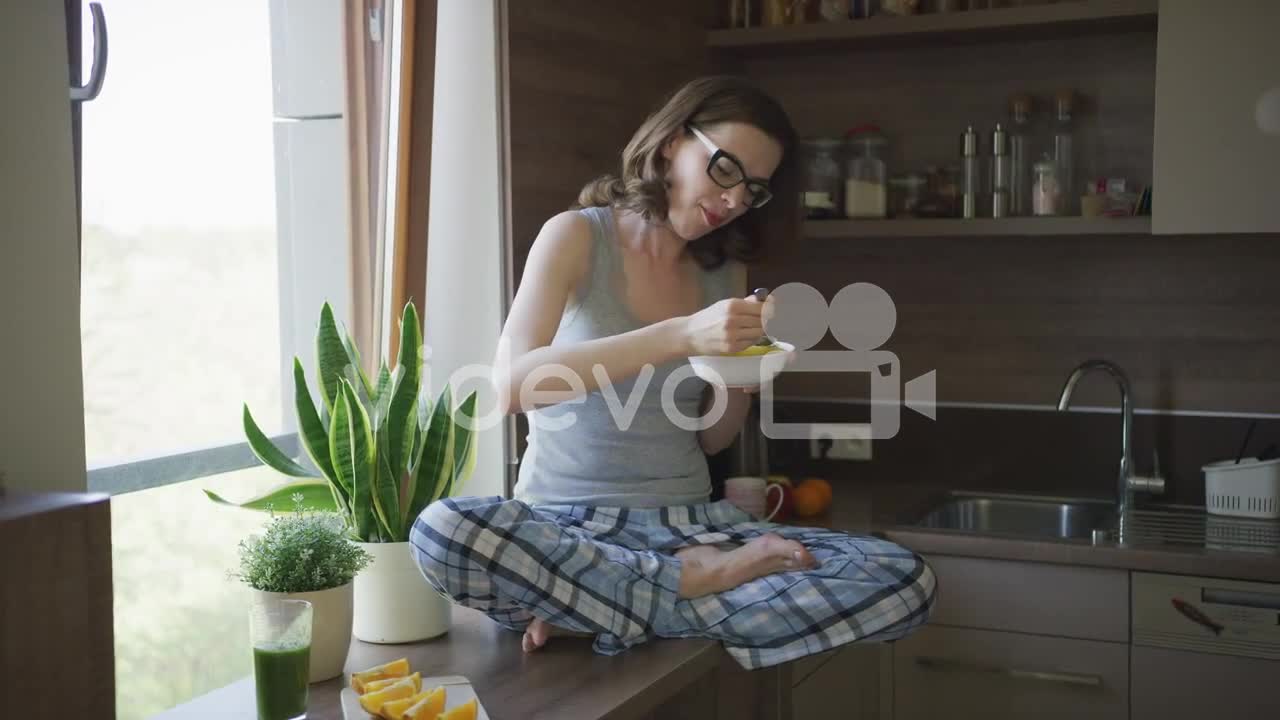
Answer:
x=427 y=708
x=375 y=685
x=373 y=702
x=465 y=711
x=394 y=669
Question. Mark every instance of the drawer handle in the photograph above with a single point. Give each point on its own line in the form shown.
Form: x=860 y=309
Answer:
x=1060 y=678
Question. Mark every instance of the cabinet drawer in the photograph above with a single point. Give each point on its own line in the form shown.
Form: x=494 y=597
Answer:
x=1078 y=602
x=956 y=673
x=1174 y=684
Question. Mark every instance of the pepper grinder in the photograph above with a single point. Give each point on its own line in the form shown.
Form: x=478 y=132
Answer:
x=1001 y=173
x=969 y=174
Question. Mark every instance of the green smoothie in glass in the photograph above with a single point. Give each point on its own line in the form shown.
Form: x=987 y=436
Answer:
x=280 y=632
x=281 y=678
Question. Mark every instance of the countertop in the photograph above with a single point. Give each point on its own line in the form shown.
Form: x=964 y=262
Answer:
x=886 y=509
x=567 y=680
x=564 y=680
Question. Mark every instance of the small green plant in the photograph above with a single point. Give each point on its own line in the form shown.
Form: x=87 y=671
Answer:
x=301 y=552
x=384 y=450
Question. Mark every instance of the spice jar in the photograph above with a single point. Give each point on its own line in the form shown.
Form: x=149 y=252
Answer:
x=775 y=13
x=823 y=178
x=906 y=194
x=1046 y=189
x=864 y=183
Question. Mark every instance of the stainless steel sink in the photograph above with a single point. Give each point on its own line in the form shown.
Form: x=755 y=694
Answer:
x=1020 y=515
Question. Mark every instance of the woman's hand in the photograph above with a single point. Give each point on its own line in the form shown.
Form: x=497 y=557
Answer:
x=729 y=326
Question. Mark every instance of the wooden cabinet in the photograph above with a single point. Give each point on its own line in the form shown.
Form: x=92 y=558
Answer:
x=1177 y=684
x=844 y=684
x=1017 y=639
x=1215 y=169
x=962 y=673
x=1070 y=601
x=56 y=634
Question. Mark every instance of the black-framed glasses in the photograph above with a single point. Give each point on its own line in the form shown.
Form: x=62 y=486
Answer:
x=727 y=172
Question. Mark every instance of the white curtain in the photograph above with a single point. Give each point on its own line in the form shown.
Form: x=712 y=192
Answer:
x=465 y=287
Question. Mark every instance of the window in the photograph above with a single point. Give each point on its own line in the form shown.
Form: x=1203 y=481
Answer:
x=213 y=227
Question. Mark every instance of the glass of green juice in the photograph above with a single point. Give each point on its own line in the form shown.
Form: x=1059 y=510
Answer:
x=280 y=631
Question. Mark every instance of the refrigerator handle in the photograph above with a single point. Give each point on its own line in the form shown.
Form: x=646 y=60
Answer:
x=90 y=90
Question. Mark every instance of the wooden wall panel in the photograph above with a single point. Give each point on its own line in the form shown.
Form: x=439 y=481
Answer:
x=1193 y=320
x=582 y=76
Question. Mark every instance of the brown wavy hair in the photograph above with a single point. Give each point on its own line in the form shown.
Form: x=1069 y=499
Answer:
x=641 y=187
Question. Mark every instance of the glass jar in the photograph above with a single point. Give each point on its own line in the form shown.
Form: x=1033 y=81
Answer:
x=823 y=178
x=864 y=178
x=1046 y=189
x=906 y=194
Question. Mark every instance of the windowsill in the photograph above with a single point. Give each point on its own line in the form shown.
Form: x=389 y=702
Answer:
x=563 y=680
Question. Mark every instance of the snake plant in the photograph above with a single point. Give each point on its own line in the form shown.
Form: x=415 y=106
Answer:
x=384 y=450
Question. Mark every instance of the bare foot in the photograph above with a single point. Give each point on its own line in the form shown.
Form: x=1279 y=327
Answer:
x=709 y=570
x=539 y=631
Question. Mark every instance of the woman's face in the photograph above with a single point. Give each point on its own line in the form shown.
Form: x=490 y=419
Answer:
x=697 y=203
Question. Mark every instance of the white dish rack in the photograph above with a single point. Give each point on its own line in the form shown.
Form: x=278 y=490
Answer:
x=1250 y=488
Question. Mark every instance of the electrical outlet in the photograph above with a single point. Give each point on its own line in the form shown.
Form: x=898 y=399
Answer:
x=846 y=449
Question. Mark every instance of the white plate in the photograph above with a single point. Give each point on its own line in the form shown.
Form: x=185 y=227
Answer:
x=457 y=690
x=737 y=371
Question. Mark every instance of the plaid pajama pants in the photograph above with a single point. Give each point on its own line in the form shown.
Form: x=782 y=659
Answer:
x=611 y=572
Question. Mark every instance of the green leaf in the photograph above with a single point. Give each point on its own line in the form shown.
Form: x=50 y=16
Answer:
x=311 y=430
x=344 y=462
x=331 y=357
x=386 y=490
x=267 y=452
x=315 y=497
x=405 y=392
x=434 y=466
x=464 y=446
x=363 y=453
x=353 y=357
x=383 y=407
x=363 y=399
x=384 y=382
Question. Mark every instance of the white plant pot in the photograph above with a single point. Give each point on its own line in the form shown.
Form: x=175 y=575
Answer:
x=394 y=602
x=331 y=612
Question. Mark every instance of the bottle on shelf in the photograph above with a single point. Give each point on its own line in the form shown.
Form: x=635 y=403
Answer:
x=1046 y=188
x=1021 y=155
x=865 y=178
x=1001 y=172
x=969 y=176
x=1064 y=152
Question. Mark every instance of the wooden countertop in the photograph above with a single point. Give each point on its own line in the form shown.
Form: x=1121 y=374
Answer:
x=565 y=680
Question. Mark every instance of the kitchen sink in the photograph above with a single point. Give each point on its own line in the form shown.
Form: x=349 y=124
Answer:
x=1021 y=515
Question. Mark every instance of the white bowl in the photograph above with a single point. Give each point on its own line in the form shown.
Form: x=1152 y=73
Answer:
x=738 y=371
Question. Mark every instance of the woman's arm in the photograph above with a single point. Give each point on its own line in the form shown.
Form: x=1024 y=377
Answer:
x=721 y=434
x=558 y=261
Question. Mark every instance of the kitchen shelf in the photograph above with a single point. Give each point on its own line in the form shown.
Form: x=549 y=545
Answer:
x=1056 y=19
x=978 y=227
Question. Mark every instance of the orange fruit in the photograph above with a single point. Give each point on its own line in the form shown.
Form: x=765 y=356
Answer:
x=822 y=485
x=809 y=500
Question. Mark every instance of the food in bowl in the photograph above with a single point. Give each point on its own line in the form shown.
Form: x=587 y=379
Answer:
x=757 y=350
x=747 y=368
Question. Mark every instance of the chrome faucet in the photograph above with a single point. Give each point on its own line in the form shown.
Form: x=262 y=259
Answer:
x=1128 y=480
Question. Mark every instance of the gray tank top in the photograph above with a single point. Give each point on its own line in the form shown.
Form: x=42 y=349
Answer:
x=609 y=457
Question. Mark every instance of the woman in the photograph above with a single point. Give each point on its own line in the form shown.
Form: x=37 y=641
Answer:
x=611 y=532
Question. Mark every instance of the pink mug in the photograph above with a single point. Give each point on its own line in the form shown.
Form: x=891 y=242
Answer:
x=751 y=495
